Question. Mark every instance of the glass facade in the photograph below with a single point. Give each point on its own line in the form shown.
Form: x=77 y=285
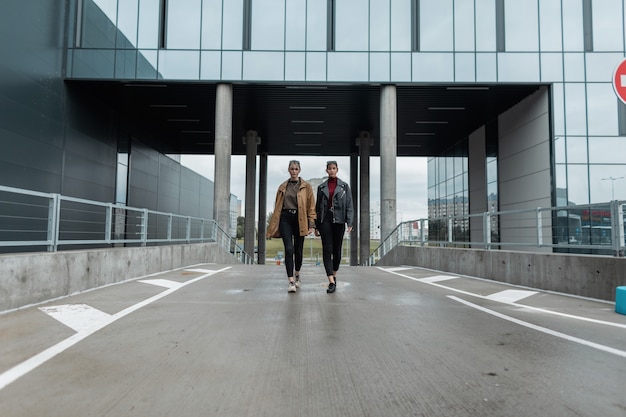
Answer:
x=571 y=45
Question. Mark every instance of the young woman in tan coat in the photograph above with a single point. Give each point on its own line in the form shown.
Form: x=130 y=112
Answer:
x=293 y=219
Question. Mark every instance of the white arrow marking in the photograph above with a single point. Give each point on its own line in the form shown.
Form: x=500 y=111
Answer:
x=166 y=283
x=79 y=317
x=510 y=296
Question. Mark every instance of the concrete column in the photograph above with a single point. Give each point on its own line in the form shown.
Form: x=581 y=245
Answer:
x=223 y=150
x=388 y=154
x=251 y=140
x=354 y=184
x=262 y=226
x=364 y=143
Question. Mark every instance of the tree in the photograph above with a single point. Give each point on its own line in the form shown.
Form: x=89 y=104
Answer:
x=240 y=227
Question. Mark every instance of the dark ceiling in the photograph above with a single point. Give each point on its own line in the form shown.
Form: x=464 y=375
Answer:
x=296 y=119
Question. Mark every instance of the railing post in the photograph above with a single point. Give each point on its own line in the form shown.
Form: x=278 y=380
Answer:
x=487 y=230
x=422 y=234
x=169 y=227
x=450 y=231
x=108 y=223
x=539 y=227
x=144 y=227
x=617 y=228
x=201 y=230
x=54 y=207
x=188 y=237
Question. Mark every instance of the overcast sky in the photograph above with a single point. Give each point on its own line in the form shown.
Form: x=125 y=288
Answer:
x=411 y=178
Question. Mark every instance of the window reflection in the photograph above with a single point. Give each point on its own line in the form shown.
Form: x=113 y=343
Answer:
x=608 y=182
x=486 y=67
x=610 y=150
x=347 y=66
x=576 y=149
x=351 y=25
x=316 y=66
x=294 y=65
x=211 y=24
x=601 y=109
x=400 y=25
x=521 y=25
x=464 y=25
x=263 y=66
x=550 y=26
x=379 y=25
x=210 y=65
x=232 y=26
x=607 y=14
x=435 y=25
x=433 y=67
x=576 y=110
x=573 y=26
x=518 y=67
x=148 y=28
x=183 y=24
x=268 y=25
x=578 y=184
x=379 y=67
x=552 y=67
x=485 y=25
x=295 y=20
x=464 y=67
x=316 y=26
x=179 y=65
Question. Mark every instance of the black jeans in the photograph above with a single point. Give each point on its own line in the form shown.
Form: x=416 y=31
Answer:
x=293 y=242
x=332 y=240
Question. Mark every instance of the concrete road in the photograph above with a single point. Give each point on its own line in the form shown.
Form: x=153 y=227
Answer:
x=230 y=341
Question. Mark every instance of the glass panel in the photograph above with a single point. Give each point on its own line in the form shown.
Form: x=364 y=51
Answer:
x=464 y=25
x=316 y=26
x=93 y=63
x=559 y=149
x=146 y=65
x=210 y=65
x=232 y=28
x=231 y=65
x=576 y=112
x=607 y=151
x=401 y=66
x=602 y=109
x=518 y=67
x=98 y=24
x=572 y=25
x=464 y=67
x=577 y=184
x=433 y=67
x=268 y=66
x=127 y=24
x=125 y=64
x=401 y=26
x=295 y=25
x=607 y=25
x=600 y=67
x=316 y=66
x=148 y=32
x=268 y=25
x=346 y=66
x=435 y=25
x=486 y=67
x=574 y=65
x=608 y=182
x=485 y=25
x=211 y=24
x=182 y=65
x=183 y=24
x=561 y=184
x=521 y=26
x=576 y=150
x=294 y=66
x=379 y=25
x=550 y=27
x=551 y=67
x=379 y=67
x=558 y=109
x=351 y=25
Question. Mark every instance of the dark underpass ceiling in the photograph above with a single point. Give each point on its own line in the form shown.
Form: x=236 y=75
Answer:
x=312 y=119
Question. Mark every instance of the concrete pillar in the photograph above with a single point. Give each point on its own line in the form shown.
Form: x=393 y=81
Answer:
x=251 y=140
x=354 y=184
x=223 y=150
x=388 y=154
x=364 y=141
x=262 y=226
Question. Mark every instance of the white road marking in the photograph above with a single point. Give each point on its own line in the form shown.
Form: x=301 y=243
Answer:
x=556 y=313
x=163 y=283
x=399 y=268
x=511 y=296
x=202 y=271
x=80 y=317
x=436 y=278
x=542 y=329
x=32 y=363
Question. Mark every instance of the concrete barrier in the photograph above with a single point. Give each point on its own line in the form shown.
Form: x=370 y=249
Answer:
x=583 y=275
x=32 y=278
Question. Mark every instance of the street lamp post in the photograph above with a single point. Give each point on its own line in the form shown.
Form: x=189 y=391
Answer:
x=612 y=179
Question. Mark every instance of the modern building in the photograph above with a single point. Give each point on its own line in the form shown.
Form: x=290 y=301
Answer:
x=511 y=99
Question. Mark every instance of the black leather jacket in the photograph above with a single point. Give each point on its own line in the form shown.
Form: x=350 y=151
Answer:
x=343 y=209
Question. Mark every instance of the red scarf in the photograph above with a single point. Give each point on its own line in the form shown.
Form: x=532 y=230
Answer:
x=332 y=185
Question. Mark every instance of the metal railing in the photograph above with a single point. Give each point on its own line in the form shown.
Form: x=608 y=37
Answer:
x=596 y=229
x=31 y=221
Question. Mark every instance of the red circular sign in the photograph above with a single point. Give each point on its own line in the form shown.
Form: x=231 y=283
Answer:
x=619 y=81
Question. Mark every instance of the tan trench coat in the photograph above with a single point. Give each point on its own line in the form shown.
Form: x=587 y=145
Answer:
x=306 y=209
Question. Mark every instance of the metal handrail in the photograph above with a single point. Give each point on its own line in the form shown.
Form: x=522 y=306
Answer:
x=48 y=220
x=561 y=228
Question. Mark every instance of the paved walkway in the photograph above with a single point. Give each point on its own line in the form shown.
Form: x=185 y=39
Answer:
x=214 y=340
